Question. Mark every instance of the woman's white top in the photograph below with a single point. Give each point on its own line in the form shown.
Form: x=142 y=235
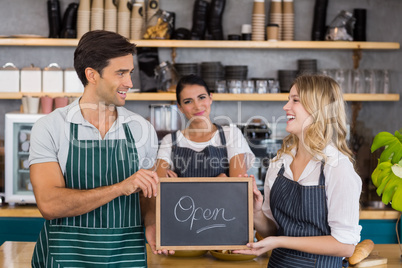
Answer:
x=343 y=188
x=235 y=144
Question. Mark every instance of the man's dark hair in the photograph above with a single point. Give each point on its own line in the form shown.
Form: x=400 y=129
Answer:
x=190 y=80
x=96 y=48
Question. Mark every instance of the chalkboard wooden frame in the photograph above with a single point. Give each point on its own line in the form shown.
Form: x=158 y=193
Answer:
x=223 y=184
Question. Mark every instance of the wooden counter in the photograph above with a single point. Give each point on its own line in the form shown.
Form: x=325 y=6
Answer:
x=29 y=211
x=18 y=255
x=32 y=211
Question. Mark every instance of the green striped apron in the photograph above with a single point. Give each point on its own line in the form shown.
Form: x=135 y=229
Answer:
x=109 y=236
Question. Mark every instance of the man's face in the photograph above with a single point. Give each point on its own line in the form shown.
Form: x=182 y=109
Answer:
x=115 y=82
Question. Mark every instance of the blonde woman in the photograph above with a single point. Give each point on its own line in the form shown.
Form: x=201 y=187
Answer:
x=310 y=213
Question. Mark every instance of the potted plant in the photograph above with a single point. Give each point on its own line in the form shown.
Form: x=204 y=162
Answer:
x=387 y=176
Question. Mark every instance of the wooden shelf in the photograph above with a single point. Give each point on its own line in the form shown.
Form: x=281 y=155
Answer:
x=216 y=96
x=212 y=44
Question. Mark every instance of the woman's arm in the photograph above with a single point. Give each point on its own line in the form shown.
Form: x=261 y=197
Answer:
x=323 y=245
x=237 y=166
x=163 y=169
x=262 y=224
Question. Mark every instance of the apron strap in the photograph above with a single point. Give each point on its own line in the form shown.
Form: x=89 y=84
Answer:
x=221 y=134
x=281 y=171
x=129 y=135
x=174 y=138
x=73 y=131
x=322 y=177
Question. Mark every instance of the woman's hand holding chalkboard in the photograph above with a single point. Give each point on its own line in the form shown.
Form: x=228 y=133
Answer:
x=257 y=196
x=143 y=180
x=171 y=174
x=260 y=247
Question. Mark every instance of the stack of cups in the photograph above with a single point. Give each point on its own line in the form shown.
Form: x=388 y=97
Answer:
x=83 y=18
x=137 y=21
x=288 y=20
x=275 y=15
x=123 y=19
x=110 y=16
x=153 y=7
x=97 y=15
x=258 y=32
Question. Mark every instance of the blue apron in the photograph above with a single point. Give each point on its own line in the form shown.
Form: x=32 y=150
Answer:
x=109 y=236
x=210 y=162
x=300 y=211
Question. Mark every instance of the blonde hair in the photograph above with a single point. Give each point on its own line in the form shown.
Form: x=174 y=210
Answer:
x=322 y=98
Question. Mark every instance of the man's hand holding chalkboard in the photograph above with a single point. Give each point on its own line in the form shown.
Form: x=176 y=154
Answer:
x=143 y=180
x=150 y=233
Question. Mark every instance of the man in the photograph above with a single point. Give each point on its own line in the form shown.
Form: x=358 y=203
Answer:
x=88 y=166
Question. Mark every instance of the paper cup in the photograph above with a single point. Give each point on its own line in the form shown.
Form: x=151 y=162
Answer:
x=60 y=102
x=276 y=6
x=46 y=104
x=24 y=101
x=272 y=32
x=288 y=6
x=33 y=105
x=258 y=7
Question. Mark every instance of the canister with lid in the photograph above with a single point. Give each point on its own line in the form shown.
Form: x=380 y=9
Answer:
x=31 y=79
x=71 y=81
x=52 y=77
x=10 y=78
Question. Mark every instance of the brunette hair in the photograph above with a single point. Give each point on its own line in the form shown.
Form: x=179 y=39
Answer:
x=96 y=48
x=190 y=80
x=322 y=98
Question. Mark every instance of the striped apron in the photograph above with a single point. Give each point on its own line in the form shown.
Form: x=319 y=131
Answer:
x=210 y=162
x=300 y=211
x=109 y=236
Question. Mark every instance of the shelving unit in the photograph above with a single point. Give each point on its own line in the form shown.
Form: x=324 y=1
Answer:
x=216 y=96
x=357 y=47
x=212 y=44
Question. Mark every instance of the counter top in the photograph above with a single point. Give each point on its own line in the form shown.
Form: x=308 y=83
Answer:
x=18 y=255
x=31 y=211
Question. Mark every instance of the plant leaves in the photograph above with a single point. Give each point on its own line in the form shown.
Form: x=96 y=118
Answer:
x=393 y=183
x=397 y=169
x=393 y=146
x=387 y=176
x=383 y=169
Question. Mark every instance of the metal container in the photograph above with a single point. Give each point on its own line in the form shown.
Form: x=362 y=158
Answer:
x=165 y=117
x=10 y=78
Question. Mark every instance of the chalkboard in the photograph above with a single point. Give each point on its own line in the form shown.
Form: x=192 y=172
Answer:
x=204 y=213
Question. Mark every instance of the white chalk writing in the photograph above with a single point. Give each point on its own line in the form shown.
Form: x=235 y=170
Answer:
x=186 y=206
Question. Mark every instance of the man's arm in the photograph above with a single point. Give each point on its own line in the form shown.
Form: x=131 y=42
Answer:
x=54 y=200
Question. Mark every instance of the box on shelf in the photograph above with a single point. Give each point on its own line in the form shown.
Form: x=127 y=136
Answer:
x=10 y=78
x=72 y=83
x=31 y=79
x=52 y=78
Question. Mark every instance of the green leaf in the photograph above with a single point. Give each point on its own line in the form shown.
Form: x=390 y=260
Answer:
x=387 y=176
x=383 y=180
x=394 y=185
x=397 y=169
x=397 y=201
x=393 y=146
x=380 y=172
